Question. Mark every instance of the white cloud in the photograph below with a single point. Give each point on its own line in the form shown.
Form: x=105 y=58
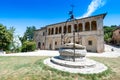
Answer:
x=93 y=6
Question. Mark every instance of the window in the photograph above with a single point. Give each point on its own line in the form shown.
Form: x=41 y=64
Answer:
x=39 y=45
x=48 y=31
x=93 y=25
x=60 y=30
x=80 y=28
x=52 y=32
x=87 y=26
x=89 y=42
x=65 y=28
x=75 y=27
x=69 y=28
x=55 y=43
x=56 y=30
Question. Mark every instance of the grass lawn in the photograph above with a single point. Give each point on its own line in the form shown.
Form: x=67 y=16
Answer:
x=32 y=68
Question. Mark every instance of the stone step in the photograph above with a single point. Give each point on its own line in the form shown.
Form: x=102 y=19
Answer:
x=86 y=63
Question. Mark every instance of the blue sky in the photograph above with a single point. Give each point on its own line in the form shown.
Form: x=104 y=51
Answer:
x=23 y=13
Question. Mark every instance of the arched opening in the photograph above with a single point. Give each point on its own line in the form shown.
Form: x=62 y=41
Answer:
x=75 y=27
x=80 y=27
x=87 y=26
x=93 y=25
x=50 y=47
x=39 y=45
x=69 y=28
x=43 y=46
x=60 y=30
x=55 y=43
x=49 y=31
x=56 y=30
x=52 y=32
x=65 y=29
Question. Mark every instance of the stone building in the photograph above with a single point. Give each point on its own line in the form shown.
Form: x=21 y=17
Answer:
x=116 y=36
x=88 y=32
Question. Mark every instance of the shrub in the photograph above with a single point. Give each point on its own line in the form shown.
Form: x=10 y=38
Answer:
x=28 y=46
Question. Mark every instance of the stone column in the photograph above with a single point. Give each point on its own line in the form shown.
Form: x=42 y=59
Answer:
x=54 y=30
x=90 y=26
x=72 y=29
x=83 y=23
x=53 y=43
x=62 y=29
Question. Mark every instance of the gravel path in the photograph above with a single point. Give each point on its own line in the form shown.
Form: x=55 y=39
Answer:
x=107 y=53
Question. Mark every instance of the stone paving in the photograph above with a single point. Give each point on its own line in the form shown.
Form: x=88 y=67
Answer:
x=109 y=54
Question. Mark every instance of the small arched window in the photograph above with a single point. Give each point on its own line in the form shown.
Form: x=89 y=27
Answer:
x=80 y=27
x=87 y=26
x=75 y=27
x=55 y=43
x=60 y=30
x=69 y=28
x=56 y=30
x=93 y=25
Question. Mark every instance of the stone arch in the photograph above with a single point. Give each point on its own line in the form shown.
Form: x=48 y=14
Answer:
x=39 y=45
x=65 y=29
x=56 y=30
x=80 y=27
x=93 y=25
x=55 y=42
x=43 y=45
x=50 y=43
x=50 y=46
x=69 y=28
x=52 y=31
x=49 y=31
x=91 y=43
x=87 y=26
x=60 y=29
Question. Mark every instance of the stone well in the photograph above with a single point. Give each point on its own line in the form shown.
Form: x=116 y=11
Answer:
x=82 y=65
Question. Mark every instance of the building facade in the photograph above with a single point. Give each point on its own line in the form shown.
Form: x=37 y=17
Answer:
x=88 y=32
x=116 y=36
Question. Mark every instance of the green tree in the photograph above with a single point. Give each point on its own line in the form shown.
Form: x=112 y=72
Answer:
x=12 y=31
x=5 y=37
x=108 y=33
x=28 y=46
x=28 y=35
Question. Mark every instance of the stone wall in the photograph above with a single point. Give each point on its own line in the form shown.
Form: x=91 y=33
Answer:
x=88 y=32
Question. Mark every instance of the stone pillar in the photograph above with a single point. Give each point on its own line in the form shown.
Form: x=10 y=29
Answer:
x=46 y=45
x=62 y=29
x=53 y=43
x=90 y=26
x=72 y=28
x=83 y=23
x=54 y=30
